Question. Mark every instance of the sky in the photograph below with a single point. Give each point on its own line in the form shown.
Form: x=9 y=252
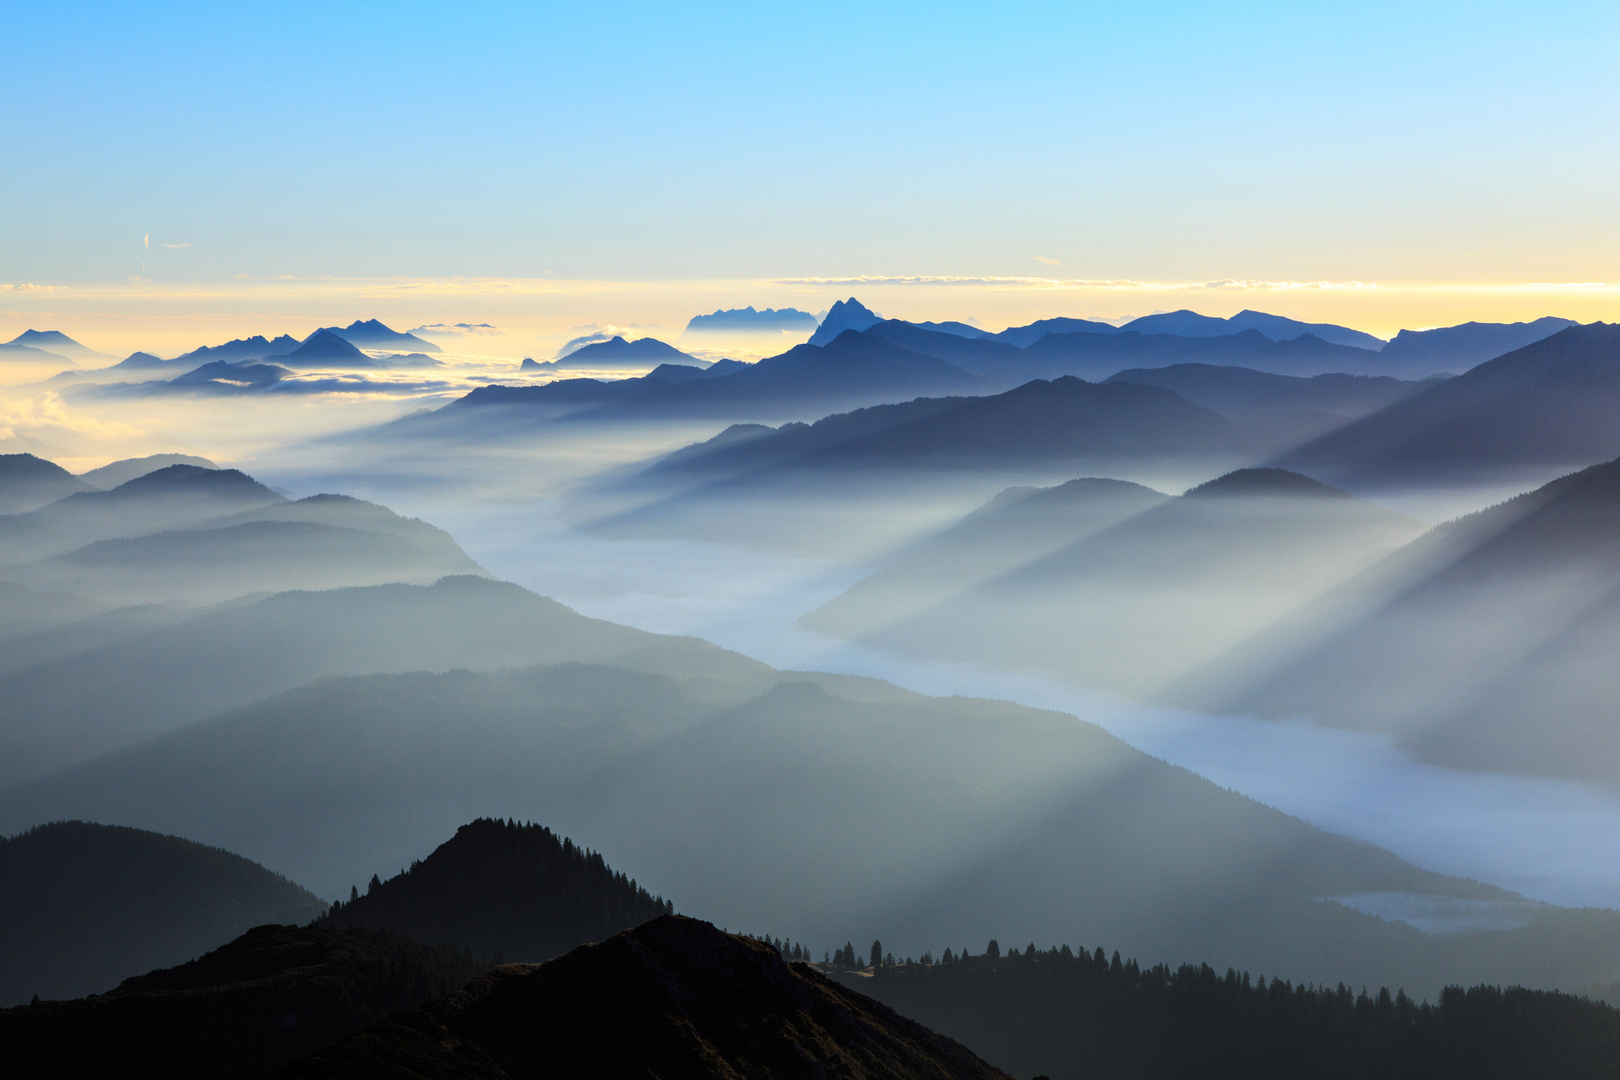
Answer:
x=1383 y=164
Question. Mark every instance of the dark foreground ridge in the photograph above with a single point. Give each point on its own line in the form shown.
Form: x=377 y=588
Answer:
x=672 y=998
x=269 y=997
x=501 y=888
x=1087 y=1017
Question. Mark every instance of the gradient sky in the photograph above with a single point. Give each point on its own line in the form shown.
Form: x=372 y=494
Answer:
x=1430 y=144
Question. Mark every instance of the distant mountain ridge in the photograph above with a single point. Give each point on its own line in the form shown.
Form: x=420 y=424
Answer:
x=732 y=320
x=844 y=315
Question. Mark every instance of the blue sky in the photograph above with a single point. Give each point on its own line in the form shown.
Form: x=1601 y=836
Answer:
x=1161 y=141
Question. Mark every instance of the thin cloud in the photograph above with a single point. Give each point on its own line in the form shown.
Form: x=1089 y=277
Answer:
x=184 y=244
x=1048 y=262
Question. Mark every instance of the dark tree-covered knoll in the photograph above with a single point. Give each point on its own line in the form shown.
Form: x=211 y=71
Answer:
x=83 y=906
x=499 y=887
x=1068 y=1016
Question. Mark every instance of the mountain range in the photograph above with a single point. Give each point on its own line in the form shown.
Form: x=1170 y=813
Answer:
x=1485 y=644
x=1136 y=604
x=748 y=320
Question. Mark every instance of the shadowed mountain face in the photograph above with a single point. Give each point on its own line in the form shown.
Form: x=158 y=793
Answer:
x=1488 y=643
x=1145 y=601
x=742 y=320
x=54 y=341
x=28 y=483
x=1455 y=349
x=517 y=891
x=83 y=906
x=269 y=997
x=72 y=708
x=673 y=998
x=1025 y=336
x=1018 y=526
x=122 y=472
x=1549 y=404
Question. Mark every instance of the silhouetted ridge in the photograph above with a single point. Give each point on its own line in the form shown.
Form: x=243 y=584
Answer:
x=83 y=906
x=1264 y=482
x=500 y=887
x=673 y=998
x=268 y=997
x=28 y=482
x=1092 y=1017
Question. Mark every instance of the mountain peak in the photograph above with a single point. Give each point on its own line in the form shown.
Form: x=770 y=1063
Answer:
x=1263 y=481
x=844 y=315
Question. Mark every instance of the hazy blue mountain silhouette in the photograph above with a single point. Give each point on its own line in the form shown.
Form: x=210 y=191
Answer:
x=256 y=347
x=269 y=997
x=323 y=542
x=54 y=341
x=324 y=348
x=1549 y=404
x=1134 y=606
x=844 y=315
x=228 y=377
x=78 y=705
x=731 y=320
x=674 y=997
x=28 y=354
x=1019 y=525
x=1276 y=327
x=1039 y=422
x=28 y=483
x=503 y=888
x=1485 y=644
x=84 y=906
x=1233 y=391
x=144 y=361
x=372 y=334
x=617 y=352
x=1097 y=356
x=853 y=370
x=115 y=473
x=172 y=497
x=1029 y=334
x=960 y=329
x=1455 y=349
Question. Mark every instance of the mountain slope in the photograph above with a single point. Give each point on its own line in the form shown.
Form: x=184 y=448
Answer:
x=1233 y=391
x=256 y=347
x=112 y=475
x=675 y=997
x=1486 y=644
x=83 y=906
x=1017 y=527
x=54 y=341
x=617 y=352
x=1097 y=356
x=825 y=806
x=1137 y=605
x=1455 y=349
x=175 y=496
x=70 y=709
x=1548 y=404
x=1276 y=327
x=269 y=997
x=518 y=891
x=323 y=542
x=372 y=334
x=844 y=315
x=323 y=349
x=28 y=483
